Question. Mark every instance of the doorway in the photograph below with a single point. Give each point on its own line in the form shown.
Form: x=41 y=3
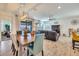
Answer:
x=5 y=30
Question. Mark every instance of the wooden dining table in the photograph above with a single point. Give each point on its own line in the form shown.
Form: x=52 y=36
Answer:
x=24 y=41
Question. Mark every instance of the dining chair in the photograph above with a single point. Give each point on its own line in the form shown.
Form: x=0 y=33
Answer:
x=75 y=40
x=25 y=34
x=37 y=46
x=19 y=33
x=14 y=45
x=32 y=33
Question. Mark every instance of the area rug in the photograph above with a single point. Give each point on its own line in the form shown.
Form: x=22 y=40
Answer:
x=62 y=47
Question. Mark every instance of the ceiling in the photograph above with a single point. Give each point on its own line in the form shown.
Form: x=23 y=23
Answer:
x=40 y=11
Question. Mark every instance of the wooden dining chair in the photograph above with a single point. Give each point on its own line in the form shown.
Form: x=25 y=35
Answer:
x=19 y=33
x=33 y=33
x=25 y=34
x=37 y=46
x=14 y=45
x=75 y=39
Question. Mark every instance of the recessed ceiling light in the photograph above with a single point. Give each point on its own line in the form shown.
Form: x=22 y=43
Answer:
x=59 y=7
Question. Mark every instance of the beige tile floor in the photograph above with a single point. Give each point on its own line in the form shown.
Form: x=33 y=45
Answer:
x=62 y=47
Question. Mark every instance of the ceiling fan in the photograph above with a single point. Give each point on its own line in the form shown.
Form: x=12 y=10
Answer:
x=51 y=18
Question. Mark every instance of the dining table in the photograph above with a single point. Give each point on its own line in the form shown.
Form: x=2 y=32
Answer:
x=24 y=42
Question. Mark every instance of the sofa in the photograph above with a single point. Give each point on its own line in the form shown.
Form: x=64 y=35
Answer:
x=52 y=35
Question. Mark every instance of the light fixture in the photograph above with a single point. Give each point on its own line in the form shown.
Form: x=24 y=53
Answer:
x=21 y=13
x=23 y=17
x=59 y=7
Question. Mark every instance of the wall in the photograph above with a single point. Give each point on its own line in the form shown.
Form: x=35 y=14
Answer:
x=47 y=24
x=64 y=23
x=3 y=17
x=0 y=30
x=3 y=22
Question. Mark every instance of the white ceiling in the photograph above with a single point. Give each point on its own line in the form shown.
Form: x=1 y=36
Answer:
x=42 y=11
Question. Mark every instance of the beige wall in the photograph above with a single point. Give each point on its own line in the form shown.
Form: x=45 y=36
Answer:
x=3 y=17
x=0 y=30
x=14 y=25
x=65 y=24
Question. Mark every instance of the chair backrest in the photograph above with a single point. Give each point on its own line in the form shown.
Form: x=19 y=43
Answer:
x=19 y=32
x=32 y=33
x=38 y=43
x=74 y=36
x=14 y=41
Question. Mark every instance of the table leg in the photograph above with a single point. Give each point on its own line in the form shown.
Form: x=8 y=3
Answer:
x=27 y=52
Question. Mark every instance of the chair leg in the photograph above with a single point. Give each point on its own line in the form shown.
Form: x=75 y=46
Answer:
x=11 y=46
x=32 y=55
x=13 y=52
x=13 y=49
x=17 y=43
x=24 y=49
x=73 y=43
x=42 y=53
x=16 y=53
x=27 y=52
